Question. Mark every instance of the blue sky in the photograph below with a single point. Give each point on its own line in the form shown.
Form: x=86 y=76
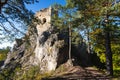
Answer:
x=43 y=4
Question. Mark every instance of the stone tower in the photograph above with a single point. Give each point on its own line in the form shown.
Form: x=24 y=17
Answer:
x=44 y=16
x=47 y=45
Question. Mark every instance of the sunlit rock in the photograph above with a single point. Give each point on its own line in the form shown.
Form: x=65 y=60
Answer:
x=41 y=46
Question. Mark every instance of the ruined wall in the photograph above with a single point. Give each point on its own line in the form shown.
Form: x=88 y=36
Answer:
x=44 y=16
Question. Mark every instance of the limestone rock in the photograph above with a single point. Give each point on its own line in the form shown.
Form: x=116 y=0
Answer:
x=40 y=47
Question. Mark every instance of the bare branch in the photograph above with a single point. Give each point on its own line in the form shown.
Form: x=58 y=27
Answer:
x=4 y=28
x=12 y=25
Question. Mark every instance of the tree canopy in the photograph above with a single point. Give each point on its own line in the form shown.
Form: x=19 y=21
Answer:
x=14 y=18
x=99 y=19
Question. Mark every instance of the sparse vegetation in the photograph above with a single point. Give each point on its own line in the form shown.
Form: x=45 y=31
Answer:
x=3 y=53
x=33 y=73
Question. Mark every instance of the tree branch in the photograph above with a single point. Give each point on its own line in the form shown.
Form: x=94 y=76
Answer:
x=2 y=4
x=12 y=25
x=4 y=28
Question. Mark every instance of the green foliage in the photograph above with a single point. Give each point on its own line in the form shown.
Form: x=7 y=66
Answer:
x=65 y=15
x=76 y=38
x=3 y=53
x=45 y=76
x=6 y=74
x=93 y=20
x=116 y=56
x=32 y=73
x=117 y=72
x=26 y=74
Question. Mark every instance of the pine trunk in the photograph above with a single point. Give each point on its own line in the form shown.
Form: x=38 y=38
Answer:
x=70 y=59
x=88 y=39
x=109 y=64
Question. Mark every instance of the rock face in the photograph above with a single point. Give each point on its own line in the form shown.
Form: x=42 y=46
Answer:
x=40 y=47
x=48 y=45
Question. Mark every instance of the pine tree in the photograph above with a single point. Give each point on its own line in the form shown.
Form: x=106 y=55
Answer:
x=96 y=14
x=65 y=21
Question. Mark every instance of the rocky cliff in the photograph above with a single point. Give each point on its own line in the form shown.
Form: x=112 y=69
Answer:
x=42 y=46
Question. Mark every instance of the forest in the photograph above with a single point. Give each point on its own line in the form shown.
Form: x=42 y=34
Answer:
x=92 y=23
